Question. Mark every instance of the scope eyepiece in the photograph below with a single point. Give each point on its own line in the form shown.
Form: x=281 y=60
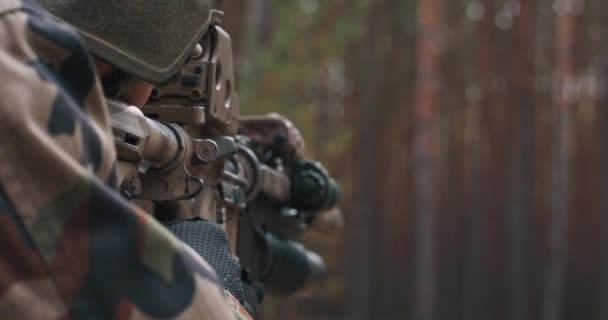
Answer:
x=291 y=269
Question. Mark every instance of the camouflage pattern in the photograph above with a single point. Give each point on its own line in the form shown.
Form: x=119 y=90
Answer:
x=70 y=246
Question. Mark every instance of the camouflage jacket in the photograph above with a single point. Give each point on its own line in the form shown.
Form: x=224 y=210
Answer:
x=70 y=246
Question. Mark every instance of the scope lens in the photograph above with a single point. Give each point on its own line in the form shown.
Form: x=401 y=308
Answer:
x=312 y=188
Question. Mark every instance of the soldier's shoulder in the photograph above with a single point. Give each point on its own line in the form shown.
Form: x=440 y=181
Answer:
x=25 y=22
x=34 y=44
x=49 y=82
x=11 y=6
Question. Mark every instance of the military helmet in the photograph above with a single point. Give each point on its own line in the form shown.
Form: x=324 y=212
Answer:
x=149 y=39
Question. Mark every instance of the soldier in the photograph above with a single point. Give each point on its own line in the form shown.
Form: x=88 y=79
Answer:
x=70 y=246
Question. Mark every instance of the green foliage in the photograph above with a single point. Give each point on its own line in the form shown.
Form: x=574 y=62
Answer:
x=285 y=70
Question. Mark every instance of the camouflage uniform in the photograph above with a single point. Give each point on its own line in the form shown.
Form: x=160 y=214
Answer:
x=70 y=246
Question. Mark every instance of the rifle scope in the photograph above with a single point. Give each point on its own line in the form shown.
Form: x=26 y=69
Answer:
x=283 y=266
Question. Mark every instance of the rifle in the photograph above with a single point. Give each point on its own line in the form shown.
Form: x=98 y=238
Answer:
x=209 y=174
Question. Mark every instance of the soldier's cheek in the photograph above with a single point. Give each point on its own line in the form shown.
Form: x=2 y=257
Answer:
x=139 y=94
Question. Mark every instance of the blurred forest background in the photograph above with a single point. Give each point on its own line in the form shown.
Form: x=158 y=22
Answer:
x=469 y=138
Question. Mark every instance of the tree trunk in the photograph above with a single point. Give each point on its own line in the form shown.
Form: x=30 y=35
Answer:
x=558 y=242
x=426 y=106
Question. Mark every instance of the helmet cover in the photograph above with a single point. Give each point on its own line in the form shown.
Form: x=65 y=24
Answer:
x=149 y=39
